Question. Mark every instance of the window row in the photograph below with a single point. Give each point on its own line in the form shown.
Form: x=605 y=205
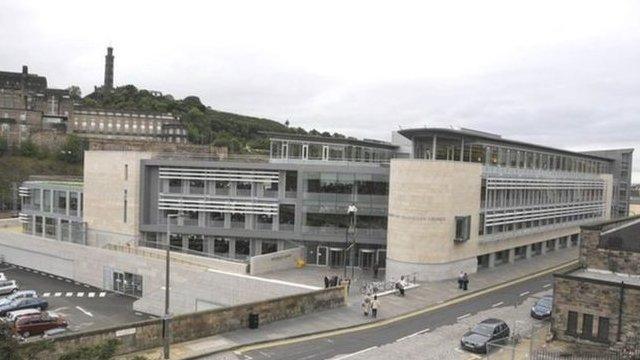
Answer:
x=587 y=329
x=521 y=225
x=341 y=183
x=220 y=188
x=499 y=198
x=297 y=150
x=54 y=201
x=503 y=156
x=284 y=222
x=228 y=247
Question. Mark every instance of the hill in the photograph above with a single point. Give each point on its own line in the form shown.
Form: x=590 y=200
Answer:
x=205 y=125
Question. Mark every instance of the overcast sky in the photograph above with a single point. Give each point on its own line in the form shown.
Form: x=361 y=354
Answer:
x=559 y=73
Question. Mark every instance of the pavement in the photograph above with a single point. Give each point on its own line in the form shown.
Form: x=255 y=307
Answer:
x=428 y=297
x=84 y=306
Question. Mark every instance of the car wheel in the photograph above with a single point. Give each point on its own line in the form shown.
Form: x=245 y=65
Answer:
x=13 y=290
x=25 y=334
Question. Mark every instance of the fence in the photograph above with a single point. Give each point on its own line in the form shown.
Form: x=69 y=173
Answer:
x=543 y=354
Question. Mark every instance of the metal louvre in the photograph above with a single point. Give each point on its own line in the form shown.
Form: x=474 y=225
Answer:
x=24 y=191
x=553 y=211
x=24 y=218
x=542 y=184
x=219 y=174
x=223 y=206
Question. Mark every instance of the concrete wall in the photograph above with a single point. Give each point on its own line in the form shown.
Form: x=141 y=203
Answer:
x=190 y=283
x=148 y=334
x=105 y=181
x=424 y=199
x=11 y=222
x=281 y=260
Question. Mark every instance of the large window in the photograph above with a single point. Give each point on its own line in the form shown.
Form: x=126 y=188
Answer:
x=269 y=246
x=264 y=222
x=222 y=187
x=463 y=228
x=243 y=248
x=237 y=220
x=216 y=219
x=243 y=189
x=603 y=329
x=196 y=186
x=221 y=246
x=175 y=186
x=286 y=217
x=587 y=326
x=46 y=200
x=195 y=243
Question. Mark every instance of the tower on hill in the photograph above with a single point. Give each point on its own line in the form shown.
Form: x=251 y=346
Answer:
x=108 y=70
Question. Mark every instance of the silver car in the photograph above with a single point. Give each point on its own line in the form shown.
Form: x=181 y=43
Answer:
x=22 y=294
x=8 y=287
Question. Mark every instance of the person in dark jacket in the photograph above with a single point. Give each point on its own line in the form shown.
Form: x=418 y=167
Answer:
x=376 y=267
x=465 y=282
x=326 y=282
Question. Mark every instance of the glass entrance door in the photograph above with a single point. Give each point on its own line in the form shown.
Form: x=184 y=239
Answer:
x=336 y=257
x=367 y=258
x=118 y=282
x=322 y=253
x=382 y=259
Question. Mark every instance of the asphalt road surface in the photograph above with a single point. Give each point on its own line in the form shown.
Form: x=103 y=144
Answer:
x=84 y=306
x=341 y=346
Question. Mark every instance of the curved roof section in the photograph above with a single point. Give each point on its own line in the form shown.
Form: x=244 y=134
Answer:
x=330 y=140
x=491 y=138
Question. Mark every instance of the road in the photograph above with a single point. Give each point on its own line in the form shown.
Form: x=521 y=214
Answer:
x=351 y=344
x=85 y=307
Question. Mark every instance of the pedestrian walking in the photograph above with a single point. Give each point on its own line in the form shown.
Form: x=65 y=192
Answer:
x=326 y=282
x=366 y=305
x=375 y=305
x=400 y=285
x=376 y=267
x=465 y=282
x=334 y=281
x=460 y=279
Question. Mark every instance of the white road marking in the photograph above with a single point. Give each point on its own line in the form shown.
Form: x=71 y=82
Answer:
x=58 y=309
x=85 y=285
x=51 y=276
x=463 y=316
x=80 y=294
x=77 y=283
x=329 y=341
x=58 y=277
x=247 y=357
x=356 y=353
x=546 y=286
x=46 y=294
x=57 y=294
x=524 y=293
x=497 y=304
x=84 y=311
x=460 y=350
x=91 y=294
x=412 y=335
x=67 y=280
x=69 y=294
x=139 y=314
x=102 y=294
x=28 y=269
x=265 y=354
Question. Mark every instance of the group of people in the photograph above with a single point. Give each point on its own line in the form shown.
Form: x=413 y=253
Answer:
x=370 y=305
x=331 y=282
x=463 y=280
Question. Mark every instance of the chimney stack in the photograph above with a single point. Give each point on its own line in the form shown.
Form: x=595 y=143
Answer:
x=25 y=69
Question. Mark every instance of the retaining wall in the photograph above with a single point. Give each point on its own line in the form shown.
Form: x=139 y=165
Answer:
x=148 y=334
x=281 y=260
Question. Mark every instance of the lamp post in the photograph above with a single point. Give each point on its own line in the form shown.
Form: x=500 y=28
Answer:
x=166 y=333
x=351 y=210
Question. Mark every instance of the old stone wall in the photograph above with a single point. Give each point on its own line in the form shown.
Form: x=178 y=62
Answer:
x=148 y=334
x=594 y=257
x=600 y=299
x=154 y=146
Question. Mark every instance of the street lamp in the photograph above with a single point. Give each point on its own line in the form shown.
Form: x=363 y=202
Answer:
x=166 y=333
x=352 y=211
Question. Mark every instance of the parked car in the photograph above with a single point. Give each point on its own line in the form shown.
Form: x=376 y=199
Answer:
x=8 y=286
x=20 y=304
x=21 y=294
x=38 y=324
x=479 y=336
x=542 y=308
x=13 y=315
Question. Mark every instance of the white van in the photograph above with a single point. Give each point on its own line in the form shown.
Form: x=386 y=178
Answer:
x=8 y=287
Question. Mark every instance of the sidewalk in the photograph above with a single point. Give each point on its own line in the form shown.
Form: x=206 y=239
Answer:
x=425 y=295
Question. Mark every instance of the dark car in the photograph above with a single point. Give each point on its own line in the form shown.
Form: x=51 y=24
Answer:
x=37 y=324
x=479 y=336
x=542 y=308
x=25 y=303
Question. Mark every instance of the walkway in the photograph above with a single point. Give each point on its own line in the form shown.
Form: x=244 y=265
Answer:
x=425 y=295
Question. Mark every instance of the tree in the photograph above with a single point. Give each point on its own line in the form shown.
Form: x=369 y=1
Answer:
x=75 y=93
x=29 y=149
x=8 y=344
x=4 y=146
x=73 y=150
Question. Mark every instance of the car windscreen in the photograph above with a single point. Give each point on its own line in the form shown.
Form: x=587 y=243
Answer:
x=544 y=303
x=483 y=329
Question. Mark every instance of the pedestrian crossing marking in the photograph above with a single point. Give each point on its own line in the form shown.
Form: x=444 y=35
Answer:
x=69 y=294
x=102 y=294
x=46 y=294
x=57 y=294
x=80 y=294
x=91 y=294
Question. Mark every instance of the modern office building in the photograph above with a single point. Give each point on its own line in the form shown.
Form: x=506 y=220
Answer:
x=468 y=199
x=53 y=209
x=621 y=171
x=430 y=204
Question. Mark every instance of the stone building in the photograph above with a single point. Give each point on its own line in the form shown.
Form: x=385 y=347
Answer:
x=600 y=302
x=27 y=105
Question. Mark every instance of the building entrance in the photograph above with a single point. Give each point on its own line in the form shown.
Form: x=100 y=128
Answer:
x=382 y=259
x=127 y=284
x=336 y=257
x=367 y=258
x=322 y=255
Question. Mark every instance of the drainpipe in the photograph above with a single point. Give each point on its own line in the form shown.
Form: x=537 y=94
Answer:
x=620 y=311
